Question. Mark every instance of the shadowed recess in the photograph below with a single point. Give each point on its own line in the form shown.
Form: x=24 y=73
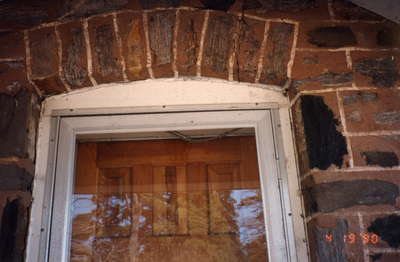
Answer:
x=9 y=222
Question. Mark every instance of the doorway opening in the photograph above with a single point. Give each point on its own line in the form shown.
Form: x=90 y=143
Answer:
x=197 y=198
x=132 y=112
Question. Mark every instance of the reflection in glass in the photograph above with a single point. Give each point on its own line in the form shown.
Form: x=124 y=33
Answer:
x=183 y=212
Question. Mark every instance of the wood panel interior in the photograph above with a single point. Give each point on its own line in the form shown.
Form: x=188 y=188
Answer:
x=168 y=200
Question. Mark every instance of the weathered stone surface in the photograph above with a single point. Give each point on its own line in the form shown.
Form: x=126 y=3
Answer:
x=383 y=71
x=18 y=121
x=217 y=45
x=14 y=217
x=277 y=53
x=387 y=228
x=333 y=36
x=247 y=50
x=74 y=55
x=330 y=249
x=13 y=178
x=107 y=66
x=363 y=97
x=326 y=80
x=319 y=70
x=325 y=145
x=391 y=117
x=45 y=60
x=43 y=45
x=376 y=150
x=379 y=110
x=328 y=197
x=384 y=159
x=12 y=45
x=12 y=77
x=188 y=41
x=161 y=36
x=133 y=45
x=78 y=9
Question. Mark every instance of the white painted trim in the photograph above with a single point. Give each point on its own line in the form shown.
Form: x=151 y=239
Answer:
x=163 y=96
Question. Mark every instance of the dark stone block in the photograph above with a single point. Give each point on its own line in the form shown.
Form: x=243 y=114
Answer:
x=360 y=97
x=150 y=4
x=338 y=36
x=388 y=37
x=383 y=71
x=388 y=229
x=188 y=41
x=277 y=54
x=8 y=232
x=328 y=197
x=13 y=178
x=217 y=45
x=44 y=52
x=331 y=251
x=384 y=159
x=161 y=31
x=327 y=79
x=325 y=145
x=222 y=5
x=74 y=59
x=390 y=117
x=107 y=67
x=14 y=117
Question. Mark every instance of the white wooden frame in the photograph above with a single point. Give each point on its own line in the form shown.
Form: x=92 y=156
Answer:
x=179 y=105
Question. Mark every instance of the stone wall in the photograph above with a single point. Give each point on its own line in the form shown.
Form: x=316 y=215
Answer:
x=339 y=65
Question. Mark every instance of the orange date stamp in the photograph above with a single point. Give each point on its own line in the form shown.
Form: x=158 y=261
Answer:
x=353 y=238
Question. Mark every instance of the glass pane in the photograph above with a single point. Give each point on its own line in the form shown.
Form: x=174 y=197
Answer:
x=168 y=200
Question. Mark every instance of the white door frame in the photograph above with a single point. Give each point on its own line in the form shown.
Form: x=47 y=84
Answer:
x=119 y=108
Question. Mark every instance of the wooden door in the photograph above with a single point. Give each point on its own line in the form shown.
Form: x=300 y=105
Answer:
x=168 y=200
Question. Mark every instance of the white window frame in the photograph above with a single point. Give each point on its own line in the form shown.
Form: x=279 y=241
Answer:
x=161 y=105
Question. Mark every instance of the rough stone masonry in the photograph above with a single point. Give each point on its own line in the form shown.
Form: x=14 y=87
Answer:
x=338 y=64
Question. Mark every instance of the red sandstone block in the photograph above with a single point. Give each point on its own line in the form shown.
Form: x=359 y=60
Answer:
x=133 y=45
x=217 y=49
x=45 y=60
x=74 y=55
x=381 y=151
x=277 y=53
x=320 y=70
x=12 y=45
x=376 y=68
x=392 y=176
x=107 y=67
x=12 y=77
x=188 y=41
x=371 y=110
x=161 y=25
x=248 y=50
